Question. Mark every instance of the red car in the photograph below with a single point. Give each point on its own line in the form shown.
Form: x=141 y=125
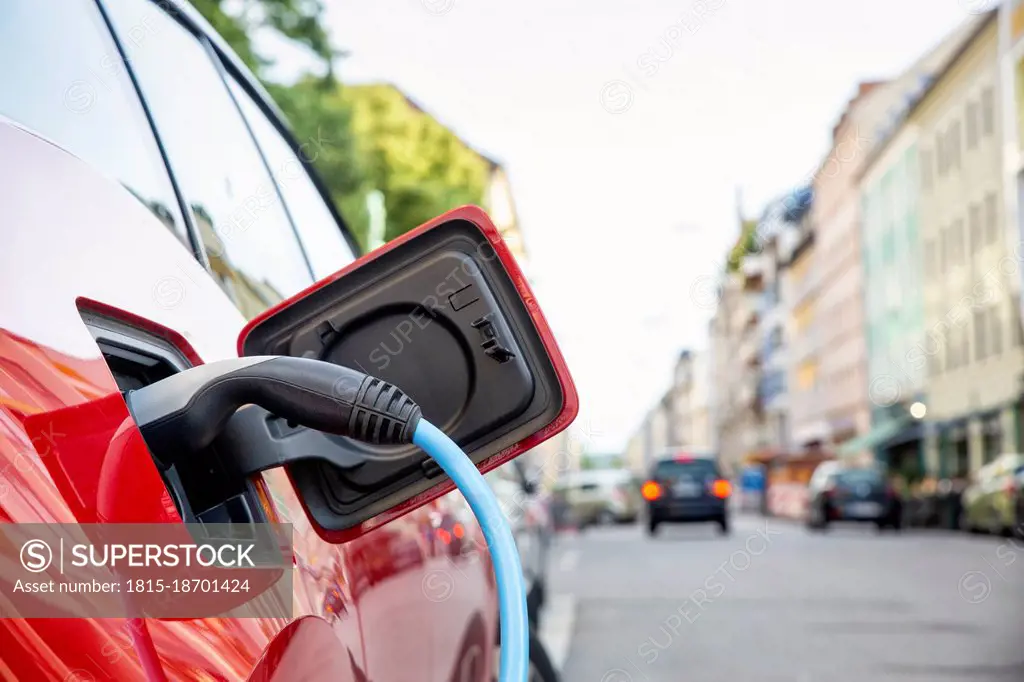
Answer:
x=105 y=291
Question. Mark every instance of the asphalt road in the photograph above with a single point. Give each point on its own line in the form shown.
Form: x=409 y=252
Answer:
x=775 y=603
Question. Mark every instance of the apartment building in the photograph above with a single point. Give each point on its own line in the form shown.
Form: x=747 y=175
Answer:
x=738 y=419
x=801 y=281
x=837 y=314
x=888 y=180
x=973 y=348
x=778 y=235
x=1011 y=39
x=894 y=301
x=689 y=402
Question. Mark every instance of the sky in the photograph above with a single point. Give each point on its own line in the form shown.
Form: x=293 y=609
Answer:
x=628 y=130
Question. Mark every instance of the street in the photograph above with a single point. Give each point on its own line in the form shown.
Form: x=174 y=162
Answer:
x=776 y=603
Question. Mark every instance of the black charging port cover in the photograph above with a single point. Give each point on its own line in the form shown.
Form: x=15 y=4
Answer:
x=438 y=315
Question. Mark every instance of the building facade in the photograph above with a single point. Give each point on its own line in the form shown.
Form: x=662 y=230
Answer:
x=802 y=280
x=778 y=231
x=1011 y=65
x=973 y=350
x=837 y=315
x=894 y=298
x=688 y=403
x=735 y=372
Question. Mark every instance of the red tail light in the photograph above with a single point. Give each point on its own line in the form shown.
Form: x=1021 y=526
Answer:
x=721 y=488
x=651 y=490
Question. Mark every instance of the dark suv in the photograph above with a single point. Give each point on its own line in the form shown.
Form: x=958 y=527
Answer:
x=686 y=489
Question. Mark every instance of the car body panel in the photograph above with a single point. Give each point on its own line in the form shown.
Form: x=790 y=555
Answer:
x=71 y=237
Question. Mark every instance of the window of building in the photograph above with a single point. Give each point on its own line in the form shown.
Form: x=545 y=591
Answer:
x=971 y=124
x=253 y=249
x=934 y=353
x=995 y=321
x=974 y=227
x=952 y=352
x=954 y=244
x=980 y=333
x=940 y=154
x=988 y=111
x=991 y=218
x=927 y=171
x=63 y=78
x=954 y=145
x=321 y=236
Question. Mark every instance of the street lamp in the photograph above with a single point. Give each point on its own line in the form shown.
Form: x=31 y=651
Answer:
x=918 y=410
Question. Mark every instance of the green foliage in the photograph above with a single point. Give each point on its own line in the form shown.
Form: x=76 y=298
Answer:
x=422 y=168
x=746 y=244
x=317 y=112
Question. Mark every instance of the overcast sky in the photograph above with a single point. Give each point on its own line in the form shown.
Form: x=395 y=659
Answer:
x=627 y=128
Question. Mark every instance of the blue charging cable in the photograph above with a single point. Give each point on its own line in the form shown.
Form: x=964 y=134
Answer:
x=515 y=628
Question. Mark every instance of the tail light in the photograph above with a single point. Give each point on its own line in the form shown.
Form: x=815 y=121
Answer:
x=651 y=490
x=1011 y=488
x=721 y=488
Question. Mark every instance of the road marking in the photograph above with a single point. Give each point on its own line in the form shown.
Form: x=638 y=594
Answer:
x=556 y=627
x=569 y=560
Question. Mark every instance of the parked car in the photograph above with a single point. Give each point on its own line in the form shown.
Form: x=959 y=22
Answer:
x=154 y=204
x=600 y=497
x=687 y=488
x=840 y=492
x=991 y=502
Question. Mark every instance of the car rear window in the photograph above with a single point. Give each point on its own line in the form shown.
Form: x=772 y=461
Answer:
x=855 y=476
x=694 y=468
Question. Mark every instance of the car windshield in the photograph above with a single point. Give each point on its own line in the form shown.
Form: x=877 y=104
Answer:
x=693 y=469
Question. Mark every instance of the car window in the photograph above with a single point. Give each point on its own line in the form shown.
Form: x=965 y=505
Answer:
x=694 y=469
x=251 y=244
x=63 y=78
x=320 y=234
x=855 y=476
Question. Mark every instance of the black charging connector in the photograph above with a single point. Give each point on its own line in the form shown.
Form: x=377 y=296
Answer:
x=185 y=412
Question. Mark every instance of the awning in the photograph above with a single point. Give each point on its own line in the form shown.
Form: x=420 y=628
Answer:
x=875 y=437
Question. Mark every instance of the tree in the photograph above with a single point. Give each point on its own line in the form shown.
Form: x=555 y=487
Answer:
x=421 y=166
x=316 y=111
